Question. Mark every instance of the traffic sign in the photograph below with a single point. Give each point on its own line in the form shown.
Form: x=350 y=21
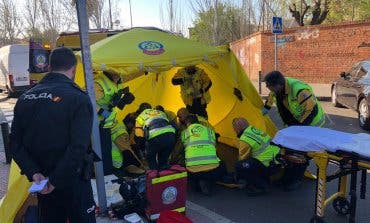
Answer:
x=277 y=25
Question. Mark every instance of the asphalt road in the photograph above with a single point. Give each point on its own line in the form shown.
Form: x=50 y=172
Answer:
x=286 y=207
x=233 y=205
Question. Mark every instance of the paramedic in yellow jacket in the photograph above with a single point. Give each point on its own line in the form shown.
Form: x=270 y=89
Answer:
x=177 y=155
x=170 y=115
x=297 y=105
x=183 y=113
x=295 y=101
x=122 y=154
x=107 y=84
x=255 y=156
x=153 y=128
x=201 y=158
x=195 y=85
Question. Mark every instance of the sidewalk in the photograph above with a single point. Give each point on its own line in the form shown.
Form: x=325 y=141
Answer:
x=322 y=91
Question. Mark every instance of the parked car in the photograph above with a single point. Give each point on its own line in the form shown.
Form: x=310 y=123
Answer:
x=14 y=76
x=352 y=90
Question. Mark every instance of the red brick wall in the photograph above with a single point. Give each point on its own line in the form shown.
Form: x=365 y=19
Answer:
x=248 y=51
x=315 y=54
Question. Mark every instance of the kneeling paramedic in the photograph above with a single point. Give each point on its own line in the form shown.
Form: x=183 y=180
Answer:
x=201 y=159
x=153 y=128
x=122 y=154
x=256 y=156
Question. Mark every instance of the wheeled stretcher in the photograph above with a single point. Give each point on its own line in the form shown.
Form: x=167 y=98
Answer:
x=349 y=152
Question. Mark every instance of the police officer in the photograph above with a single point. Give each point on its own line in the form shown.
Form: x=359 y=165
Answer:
x=201 y=158
x=50 y=136
x=153 y=127
x=255 y=156
x=297 y=105
x=195 y=84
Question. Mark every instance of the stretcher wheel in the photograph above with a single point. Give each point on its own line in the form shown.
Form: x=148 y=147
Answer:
x=341 y=205
x=316 y=219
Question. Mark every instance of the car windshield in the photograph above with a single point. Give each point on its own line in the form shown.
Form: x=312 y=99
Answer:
x=363 y=75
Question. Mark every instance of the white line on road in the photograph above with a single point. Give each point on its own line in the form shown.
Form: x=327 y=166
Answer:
x=216 y=218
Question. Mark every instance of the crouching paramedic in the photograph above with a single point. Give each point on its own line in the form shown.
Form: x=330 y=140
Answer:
x=177 y=155
x=201 y=159
x=122 y=154
x=256 y=156
x=153 y=128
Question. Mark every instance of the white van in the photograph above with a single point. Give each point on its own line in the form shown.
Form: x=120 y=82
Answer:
x=14 y=75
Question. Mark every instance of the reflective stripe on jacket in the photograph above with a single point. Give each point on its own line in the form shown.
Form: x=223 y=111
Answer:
x=154 y=122
x=109 y=88
x=199 y=142
x=295 y=106
x=260 y=144
x=116 y=131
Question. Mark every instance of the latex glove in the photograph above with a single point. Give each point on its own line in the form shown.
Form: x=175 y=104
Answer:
x=265 y=111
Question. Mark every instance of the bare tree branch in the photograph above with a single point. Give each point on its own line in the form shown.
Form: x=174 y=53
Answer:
x=10 y=22
x=318 y=15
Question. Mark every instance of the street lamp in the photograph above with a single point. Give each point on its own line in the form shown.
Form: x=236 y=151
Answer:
x=110 y=15
x=129 y=2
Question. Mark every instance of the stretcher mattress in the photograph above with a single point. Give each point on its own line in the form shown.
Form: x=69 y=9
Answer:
x=313 y=139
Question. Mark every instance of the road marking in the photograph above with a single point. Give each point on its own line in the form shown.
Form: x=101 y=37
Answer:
x=216 y=218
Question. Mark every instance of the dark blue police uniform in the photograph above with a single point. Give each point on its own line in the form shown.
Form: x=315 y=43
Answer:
x=50 y=134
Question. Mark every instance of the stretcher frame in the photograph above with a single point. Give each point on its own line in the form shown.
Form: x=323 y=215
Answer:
x=349 y=164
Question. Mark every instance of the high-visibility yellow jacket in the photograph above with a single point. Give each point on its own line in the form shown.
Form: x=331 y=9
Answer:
x=260 y=145
x=120 y=142
x=154 y=122
x=301 y=102
x=194 y=86
x=104 y=90
x=199 y=142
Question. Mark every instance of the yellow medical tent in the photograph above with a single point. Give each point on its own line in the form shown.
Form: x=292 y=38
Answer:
x=147 y=59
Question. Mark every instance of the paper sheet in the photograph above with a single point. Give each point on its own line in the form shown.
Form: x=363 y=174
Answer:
x=38 y=187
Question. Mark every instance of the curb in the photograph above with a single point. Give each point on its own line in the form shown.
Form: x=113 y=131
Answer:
x=320 y=98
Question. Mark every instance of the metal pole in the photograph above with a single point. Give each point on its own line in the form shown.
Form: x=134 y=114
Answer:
x=275 y=52
x=129 y=2
x=301 y=16
x=5 y=135
x=110 y=15
x=83 y=25
x=260 y=82
x=171 y=16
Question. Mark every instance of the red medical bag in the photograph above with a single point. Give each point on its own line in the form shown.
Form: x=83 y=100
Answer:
x=172 y=216
x=165 y=190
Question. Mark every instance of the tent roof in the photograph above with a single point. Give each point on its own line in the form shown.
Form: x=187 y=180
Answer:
x=140 y=50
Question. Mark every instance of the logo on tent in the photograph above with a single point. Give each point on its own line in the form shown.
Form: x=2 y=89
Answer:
x=151 y=47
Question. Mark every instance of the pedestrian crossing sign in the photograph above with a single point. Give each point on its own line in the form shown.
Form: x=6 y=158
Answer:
x=277 y=25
